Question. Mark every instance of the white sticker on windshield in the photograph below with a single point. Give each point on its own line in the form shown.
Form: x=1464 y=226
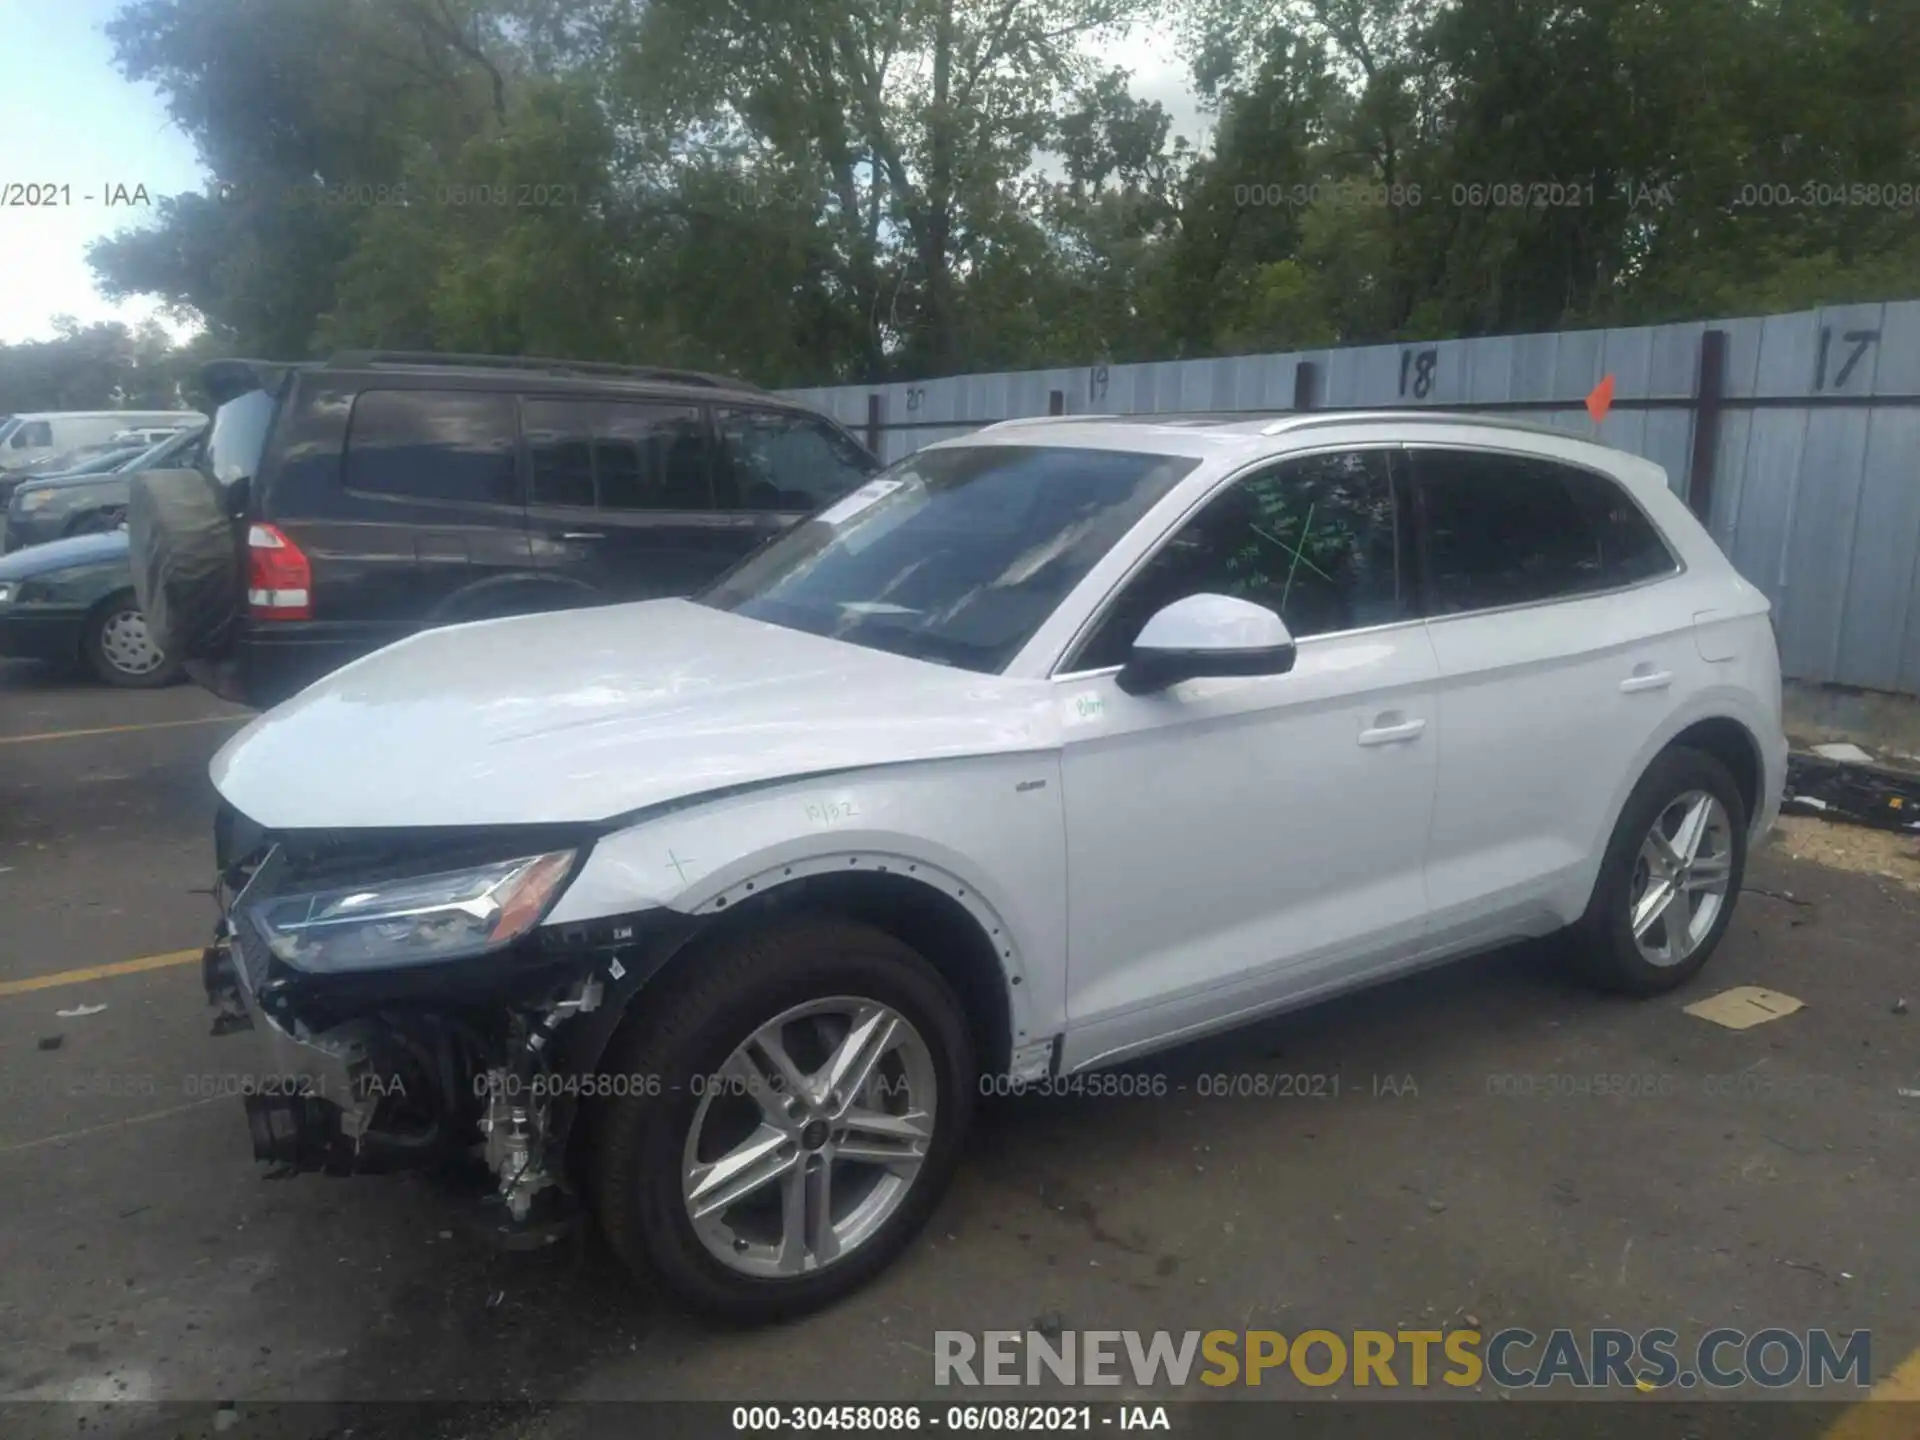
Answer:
x=867 y=495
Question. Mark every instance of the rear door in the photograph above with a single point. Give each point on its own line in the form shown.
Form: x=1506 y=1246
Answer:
x=779 y=466
x=1560 y=654
x=621 y=496
x=425 y=505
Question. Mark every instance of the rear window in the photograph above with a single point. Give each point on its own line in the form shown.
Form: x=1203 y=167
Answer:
x=239 y=436
x=447 y=445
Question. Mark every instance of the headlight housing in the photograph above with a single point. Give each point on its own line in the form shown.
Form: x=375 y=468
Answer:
x=6 y=591
x=417 y=920
x=36 y=500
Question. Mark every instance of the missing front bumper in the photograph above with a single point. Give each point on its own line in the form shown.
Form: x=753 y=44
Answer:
x=309 y=1099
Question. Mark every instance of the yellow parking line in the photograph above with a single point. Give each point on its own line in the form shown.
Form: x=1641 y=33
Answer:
x=1874 y=1418
x=121 y=729
x=67 y=1135
x=98 y=972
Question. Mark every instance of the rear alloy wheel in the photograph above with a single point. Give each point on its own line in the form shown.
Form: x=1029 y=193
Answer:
x=1670 y=878
x=120 y=650
x=813 y=1084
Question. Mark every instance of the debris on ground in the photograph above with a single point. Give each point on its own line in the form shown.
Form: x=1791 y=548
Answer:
x=1850 y=847
x=52 y=1042
x=1744 y=1006
x=79 y=1011
x=1843 y=750
x=1861 y=794
x=1900 y=1007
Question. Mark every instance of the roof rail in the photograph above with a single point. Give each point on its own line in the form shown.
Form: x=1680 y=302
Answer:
x=539 y=364
x=1308 y=419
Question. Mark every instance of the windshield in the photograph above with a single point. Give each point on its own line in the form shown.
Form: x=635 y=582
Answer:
x=953 y=555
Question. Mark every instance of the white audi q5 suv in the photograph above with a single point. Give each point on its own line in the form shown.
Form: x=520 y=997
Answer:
x=1047 y=748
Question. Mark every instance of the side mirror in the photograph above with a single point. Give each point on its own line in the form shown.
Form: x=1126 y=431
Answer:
x=1206 y=635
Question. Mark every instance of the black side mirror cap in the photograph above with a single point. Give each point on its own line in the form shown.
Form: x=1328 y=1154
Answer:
x=1148 y=670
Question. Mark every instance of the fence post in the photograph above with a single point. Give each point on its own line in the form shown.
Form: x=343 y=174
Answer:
x=1709 y=393
x=1056 y=402
x=1306 y=384
x=874 y=402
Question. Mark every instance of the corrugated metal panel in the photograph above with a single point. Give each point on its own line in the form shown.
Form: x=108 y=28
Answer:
x=1877 y=607
x=1819 y=507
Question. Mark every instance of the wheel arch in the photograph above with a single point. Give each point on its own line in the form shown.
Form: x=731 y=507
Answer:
x=922 y=906
x=1715 y=729
x=500 y=595
x=1734 y=746
x=925 y=907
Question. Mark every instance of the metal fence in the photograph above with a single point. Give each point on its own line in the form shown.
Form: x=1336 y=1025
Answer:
x=1796 y=437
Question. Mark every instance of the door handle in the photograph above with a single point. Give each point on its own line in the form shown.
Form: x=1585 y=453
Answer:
x=581 y=535
x=1395 y=734
x=1645 y=677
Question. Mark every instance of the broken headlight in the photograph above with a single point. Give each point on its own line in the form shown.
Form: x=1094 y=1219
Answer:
x=414 y=921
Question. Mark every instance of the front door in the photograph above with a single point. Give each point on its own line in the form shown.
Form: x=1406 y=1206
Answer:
x=621 y=498
x=1233 y=843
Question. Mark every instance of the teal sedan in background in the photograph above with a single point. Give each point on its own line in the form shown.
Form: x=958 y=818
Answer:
x=72 y=602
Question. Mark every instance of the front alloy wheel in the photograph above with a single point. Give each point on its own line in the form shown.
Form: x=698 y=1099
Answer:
x=790 y=1109
x=811 y=1136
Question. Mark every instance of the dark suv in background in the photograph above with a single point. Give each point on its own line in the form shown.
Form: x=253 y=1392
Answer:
x=378 y=493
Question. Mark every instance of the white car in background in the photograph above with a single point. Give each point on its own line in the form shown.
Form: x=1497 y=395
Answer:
x=30 y=437
x=1048 y=748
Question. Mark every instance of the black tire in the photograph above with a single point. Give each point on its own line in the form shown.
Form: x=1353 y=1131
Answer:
x=107 y=659
x=688 y=1029
x=1604 y=939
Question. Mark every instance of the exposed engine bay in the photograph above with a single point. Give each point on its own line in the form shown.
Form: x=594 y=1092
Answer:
x=405 y=1011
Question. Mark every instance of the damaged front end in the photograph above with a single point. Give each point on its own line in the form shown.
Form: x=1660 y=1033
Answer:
x=407 y=1010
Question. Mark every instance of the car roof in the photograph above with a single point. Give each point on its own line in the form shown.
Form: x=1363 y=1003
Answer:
x=227 y=379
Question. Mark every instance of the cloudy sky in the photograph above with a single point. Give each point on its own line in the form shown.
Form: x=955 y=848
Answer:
x=71 y=122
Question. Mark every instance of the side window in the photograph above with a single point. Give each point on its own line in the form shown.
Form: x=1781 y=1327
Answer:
x=1315 y=539
x=1513 y=530
x=775 y=460
x=432 y=445
x=33 y=434
x=616 y=456
x=1631 y=550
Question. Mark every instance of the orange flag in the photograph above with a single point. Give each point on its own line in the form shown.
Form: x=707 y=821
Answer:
x=1601 y=400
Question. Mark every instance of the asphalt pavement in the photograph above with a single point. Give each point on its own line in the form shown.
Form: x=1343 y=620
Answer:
x=1459 y=1178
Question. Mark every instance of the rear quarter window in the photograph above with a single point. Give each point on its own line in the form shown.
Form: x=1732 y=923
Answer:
x=1504 y=529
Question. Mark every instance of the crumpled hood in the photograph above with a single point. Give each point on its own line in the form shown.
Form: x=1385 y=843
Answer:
x=582 y=715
